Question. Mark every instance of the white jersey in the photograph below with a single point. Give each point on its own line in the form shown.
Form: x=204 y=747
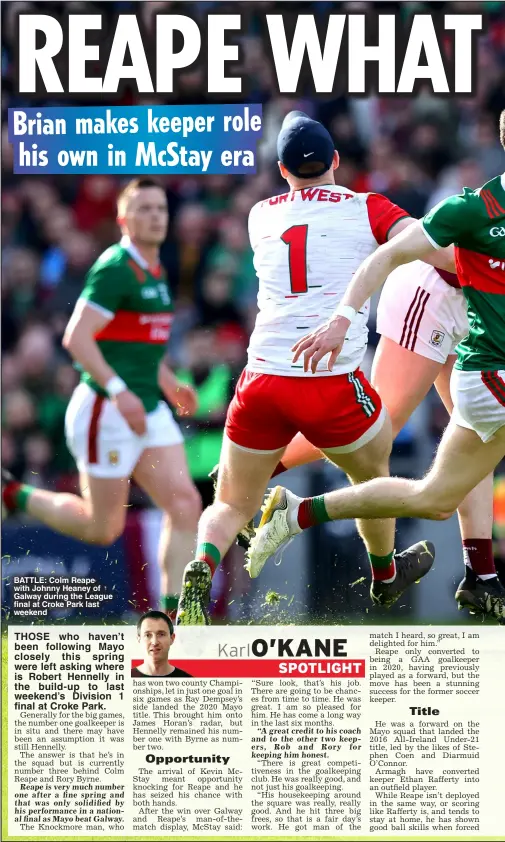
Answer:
x=307 y=246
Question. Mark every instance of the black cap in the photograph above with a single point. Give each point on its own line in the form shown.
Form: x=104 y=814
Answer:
x=301 y=140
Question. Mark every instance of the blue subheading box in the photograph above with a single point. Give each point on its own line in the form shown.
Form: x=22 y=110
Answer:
x=134 y=140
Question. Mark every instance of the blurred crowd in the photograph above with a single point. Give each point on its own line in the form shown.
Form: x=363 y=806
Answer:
x=415 y=151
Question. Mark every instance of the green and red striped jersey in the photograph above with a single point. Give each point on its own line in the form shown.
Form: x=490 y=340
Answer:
x=475 y=222
x=136 y=299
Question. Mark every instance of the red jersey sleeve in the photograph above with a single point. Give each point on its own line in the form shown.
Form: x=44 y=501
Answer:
x=382 y=215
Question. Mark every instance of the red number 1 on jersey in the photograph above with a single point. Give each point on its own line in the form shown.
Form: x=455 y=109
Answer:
x=296 y=238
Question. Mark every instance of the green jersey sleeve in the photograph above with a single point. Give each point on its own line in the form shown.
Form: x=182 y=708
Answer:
x=105 y=287
x=446 y=222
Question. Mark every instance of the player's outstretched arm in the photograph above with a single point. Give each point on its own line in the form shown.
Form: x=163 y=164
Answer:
x=441 y=258
x=408 y=245
x=79 y=340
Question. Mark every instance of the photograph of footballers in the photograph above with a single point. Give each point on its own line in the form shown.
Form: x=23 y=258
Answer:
x=474 y=440
x=342 y=415
x=198 y=368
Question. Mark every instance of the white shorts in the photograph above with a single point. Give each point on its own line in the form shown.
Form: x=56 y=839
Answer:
x=102 y=443
x=479 y=401
x=421 y=312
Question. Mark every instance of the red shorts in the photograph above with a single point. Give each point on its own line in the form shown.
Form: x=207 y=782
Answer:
x=340 y=413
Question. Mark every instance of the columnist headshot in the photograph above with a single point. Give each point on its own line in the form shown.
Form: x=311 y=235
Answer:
x=155 y=633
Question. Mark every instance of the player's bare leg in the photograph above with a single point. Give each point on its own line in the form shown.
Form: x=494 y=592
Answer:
x=435 y=497
x=369 y=462
x=475 y=512
x=242 y=480
x=163 y=473
x=298 y=452
x=391 y=573
x=479 y=592
x=98 y=517
x=402 y=379
x=388 y=569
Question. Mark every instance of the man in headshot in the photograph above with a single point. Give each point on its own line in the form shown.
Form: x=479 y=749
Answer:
x=155 y=632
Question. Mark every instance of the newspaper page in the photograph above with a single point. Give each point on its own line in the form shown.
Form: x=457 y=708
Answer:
x=278 y=731
x=237 y=520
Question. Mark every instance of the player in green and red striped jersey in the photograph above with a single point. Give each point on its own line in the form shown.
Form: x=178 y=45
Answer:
x=474 y=442
x=117 y=426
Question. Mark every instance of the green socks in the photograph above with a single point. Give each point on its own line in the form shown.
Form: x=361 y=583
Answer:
x=209 y=554
x=169 y=603
x=16 y=495
x=383 y=566
x=312 y=511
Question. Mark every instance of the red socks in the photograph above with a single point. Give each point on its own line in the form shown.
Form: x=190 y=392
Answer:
x=312 y=511
x=478 y=555
x=209 y=554
x=16 y=495
x=10 y=496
